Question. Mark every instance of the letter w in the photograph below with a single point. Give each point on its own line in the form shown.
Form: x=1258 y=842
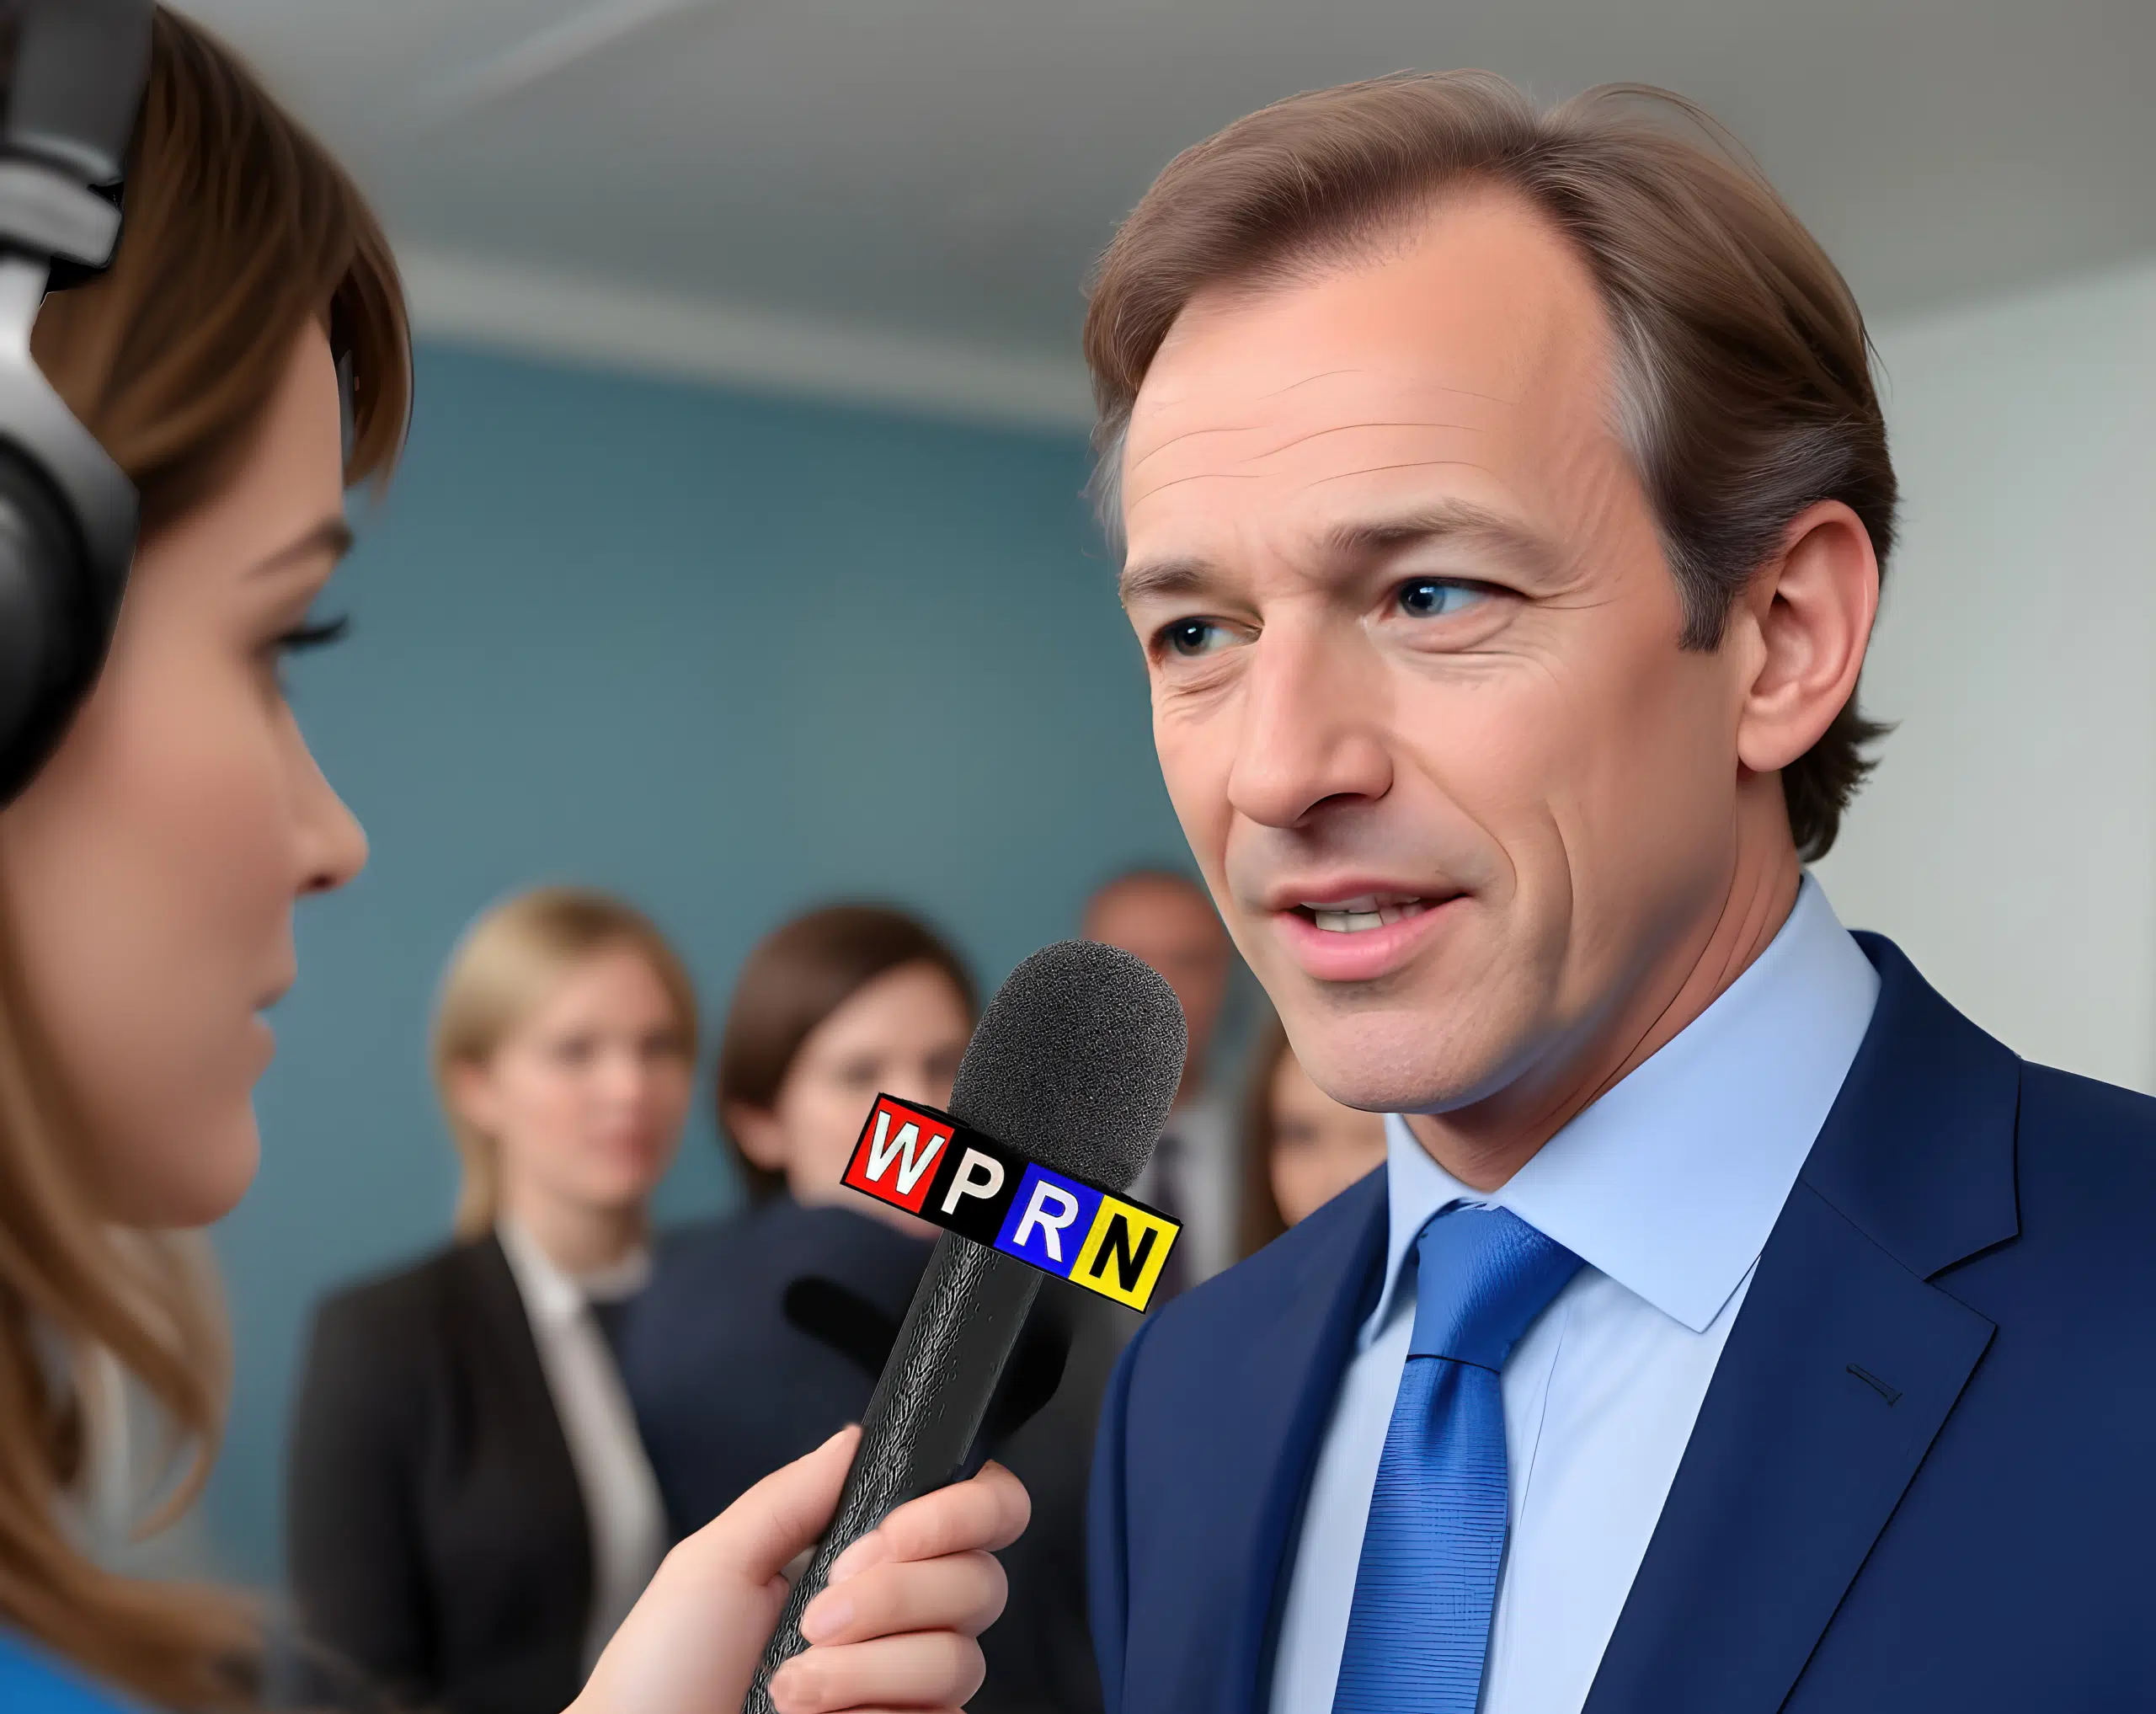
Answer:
x=885 y=1149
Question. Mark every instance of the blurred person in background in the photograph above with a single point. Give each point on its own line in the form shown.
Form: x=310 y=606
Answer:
x=763 y=1332
x=471 y=1512
x=828 y=1011
x=242 y=361
x=1302 y=1148
x=1195 y=1174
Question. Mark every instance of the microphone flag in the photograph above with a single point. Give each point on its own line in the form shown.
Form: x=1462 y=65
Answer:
x=925 y=1161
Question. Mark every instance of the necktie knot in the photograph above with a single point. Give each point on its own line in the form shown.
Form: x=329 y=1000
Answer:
x=1484 y=1274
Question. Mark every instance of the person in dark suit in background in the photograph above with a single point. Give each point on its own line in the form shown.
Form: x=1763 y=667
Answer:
x=1195 y=1174
x=829 y=1010
x=764 y=1332
x=470 y=1511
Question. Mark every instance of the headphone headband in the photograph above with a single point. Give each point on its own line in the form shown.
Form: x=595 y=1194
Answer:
x=80 y=66
x=67 y=514
x=75 y=87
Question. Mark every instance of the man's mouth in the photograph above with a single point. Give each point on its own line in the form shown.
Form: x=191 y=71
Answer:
x=1363 y=912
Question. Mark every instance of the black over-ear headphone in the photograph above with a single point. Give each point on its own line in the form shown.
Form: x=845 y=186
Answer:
x=67 y=513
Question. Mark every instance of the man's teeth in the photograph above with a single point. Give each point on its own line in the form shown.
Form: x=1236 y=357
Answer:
x=1353 y=916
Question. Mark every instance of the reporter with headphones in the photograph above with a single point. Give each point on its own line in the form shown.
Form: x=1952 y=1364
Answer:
x=177 y=432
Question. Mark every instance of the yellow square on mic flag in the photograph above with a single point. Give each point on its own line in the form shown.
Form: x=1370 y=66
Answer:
x=1124 y=1254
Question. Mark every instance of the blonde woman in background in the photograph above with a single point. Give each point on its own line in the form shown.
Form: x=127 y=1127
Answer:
x=471 y=1512
x=243 y=362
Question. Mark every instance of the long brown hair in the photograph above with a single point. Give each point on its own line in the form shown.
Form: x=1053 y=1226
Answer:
x=239 y=230
x=502 y=971
x=1744 y=381
x=798 y=975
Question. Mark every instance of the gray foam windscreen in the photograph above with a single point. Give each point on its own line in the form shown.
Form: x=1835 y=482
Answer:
x=1076 y=1062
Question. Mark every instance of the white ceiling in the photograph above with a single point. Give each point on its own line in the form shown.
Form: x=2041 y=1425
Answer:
x=899 y=198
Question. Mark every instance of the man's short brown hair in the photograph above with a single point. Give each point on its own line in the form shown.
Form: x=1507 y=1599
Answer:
x=1743 y=388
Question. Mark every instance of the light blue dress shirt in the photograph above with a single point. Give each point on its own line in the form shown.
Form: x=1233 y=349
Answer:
x=1667 y=1188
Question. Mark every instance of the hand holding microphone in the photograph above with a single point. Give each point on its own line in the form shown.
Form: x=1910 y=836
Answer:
x=1057 y=1102
x=898 y=1626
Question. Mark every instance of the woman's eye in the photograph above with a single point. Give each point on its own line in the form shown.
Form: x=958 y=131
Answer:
x=298 y=640
x=1439 y=597
x=315 y=635
x=1189 y=638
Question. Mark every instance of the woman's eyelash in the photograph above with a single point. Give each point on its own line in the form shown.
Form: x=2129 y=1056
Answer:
x=319 y=635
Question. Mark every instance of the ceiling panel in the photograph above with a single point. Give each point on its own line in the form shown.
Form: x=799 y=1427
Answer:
x=947 y=169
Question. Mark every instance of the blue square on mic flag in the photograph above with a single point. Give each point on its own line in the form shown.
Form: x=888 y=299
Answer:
x=1049 y=1221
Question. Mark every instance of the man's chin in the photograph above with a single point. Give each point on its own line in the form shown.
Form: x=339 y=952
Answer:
x=1395 y=1061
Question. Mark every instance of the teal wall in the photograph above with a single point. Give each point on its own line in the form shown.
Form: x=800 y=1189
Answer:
x=727 y=656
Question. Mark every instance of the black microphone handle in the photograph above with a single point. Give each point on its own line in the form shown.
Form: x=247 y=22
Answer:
x=924 y=1415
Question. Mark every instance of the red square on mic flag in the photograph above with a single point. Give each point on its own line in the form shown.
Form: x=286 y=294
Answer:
x=899 y=1150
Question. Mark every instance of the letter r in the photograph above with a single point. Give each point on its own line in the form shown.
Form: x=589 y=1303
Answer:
x=1052 y=1226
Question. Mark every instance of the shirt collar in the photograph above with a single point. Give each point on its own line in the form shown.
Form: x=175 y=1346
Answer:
x=550 y=1293
x=1671 y=1182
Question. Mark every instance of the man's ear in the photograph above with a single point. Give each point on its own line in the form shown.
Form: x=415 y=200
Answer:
x=1811 y=610
x=760 y=1134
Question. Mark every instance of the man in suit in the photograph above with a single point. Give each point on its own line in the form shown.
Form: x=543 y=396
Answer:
x=1196 y=1171
x=1734 y=1326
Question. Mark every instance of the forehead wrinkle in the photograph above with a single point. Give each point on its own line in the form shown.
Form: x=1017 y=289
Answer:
x=1162 y=488
x=1176 y=440
x=1305 y=439
x=1405 y=464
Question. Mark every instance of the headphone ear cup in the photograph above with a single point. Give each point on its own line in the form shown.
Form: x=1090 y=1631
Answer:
x=51 y=642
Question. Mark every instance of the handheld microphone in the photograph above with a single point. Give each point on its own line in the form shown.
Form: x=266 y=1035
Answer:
x=841 y=1319
x=1075 y=1066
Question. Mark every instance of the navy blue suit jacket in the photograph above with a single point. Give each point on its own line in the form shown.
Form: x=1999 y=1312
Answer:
x=725 y=1388
x=1966 y=1524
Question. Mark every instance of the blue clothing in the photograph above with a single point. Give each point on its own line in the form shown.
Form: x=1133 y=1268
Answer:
x=1436 y=1536
x=1919 y=1478
x=1667 y=1187
x=726 y=1389
x=32 y=1683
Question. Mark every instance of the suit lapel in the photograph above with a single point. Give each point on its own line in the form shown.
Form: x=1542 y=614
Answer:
x=1289 y=1379
x=511 y=1394
x=1844 y=1362
x=1235 y=1426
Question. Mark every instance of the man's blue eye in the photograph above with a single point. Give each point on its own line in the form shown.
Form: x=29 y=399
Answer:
x=1437 y=597
x=1191 y=637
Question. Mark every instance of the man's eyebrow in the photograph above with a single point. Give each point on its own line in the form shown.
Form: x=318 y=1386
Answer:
x=1448 y=520
x=1164 y=579
x=1186 y=578
x=331 y=536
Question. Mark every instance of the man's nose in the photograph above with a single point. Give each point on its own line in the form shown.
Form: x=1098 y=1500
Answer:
x=1313 y=708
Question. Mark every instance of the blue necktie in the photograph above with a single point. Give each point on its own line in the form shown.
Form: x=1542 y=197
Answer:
x=1420 y=1624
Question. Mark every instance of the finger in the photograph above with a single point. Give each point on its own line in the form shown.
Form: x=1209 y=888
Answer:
x=990 y=1511
x=928 y=1669
x=785 y=1512
x=960 y=1592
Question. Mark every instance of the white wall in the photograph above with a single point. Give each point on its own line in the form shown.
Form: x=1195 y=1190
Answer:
x=2008 y=841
